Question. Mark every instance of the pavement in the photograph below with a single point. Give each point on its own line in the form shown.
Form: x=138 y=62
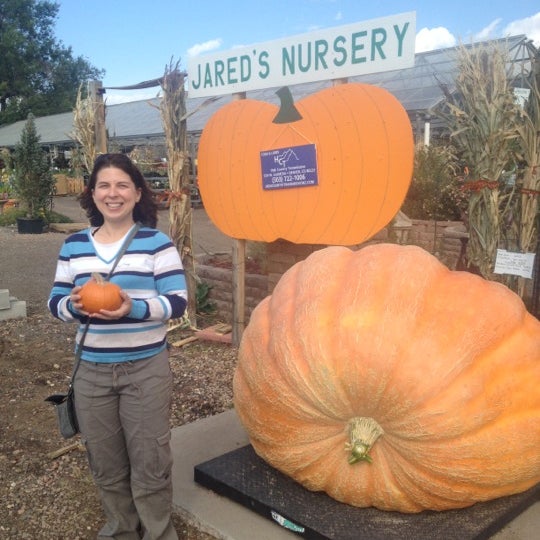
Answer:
x=211 y=437
x=197 y=443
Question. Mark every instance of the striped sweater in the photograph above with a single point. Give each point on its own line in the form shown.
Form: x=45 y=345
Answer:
x=150 y=272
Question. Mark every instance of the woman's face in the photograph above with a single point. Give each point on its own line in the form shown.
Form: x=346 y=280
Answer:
x=115 y=195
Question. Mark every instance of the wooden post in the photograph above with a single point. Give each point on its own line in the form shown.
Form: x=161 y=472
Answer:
x=239 y=279
x=96 y=91
x=239 y=290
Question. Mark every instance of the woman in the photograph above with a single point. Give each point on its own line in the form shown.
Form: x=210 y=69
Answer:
x=123 y=385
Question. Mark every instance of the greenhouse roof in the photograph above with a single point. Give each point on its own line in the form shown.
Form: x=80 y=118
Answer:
x=418 y=88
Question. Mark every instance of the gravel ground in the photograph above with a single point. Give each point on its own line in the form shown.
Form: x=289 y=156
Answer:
x=46 y=497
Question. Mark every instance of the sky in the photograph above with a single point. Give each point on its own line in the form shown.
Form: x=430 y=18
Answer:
x=135 y=40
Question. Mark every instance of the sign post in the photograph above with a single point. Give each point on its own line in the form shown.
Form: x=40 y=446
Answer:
x=239 y=279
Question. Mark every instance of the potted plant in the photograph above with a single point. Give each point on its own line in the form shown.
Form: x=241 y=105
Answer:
x=33 y=179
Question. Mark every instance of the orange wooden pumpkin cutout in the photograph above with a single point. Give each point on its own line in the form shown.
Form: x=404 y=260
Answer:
x=364 y=149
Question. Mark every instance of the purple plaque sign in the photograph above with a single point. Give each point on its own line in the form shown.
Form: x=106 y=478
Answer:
x=294 y=166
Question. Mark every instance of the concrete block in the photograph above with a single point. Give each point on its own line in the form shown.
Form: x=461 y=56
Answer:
x=17 y=310
x=4 y=299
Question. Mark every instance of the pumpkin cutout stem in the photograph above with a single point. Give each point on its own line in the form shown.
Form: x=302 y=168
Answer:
x=287 y=113
x=363 y=433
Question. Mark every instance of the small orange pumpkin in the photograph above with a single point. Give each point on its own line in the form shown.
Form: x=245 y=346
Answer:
x=97 y=294
x=364 y=153
x=387 y=380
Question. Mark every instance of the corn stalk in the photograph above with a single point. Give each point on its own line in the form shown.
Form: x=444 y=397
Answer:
x=173 y=116
x=84 y=121
x=482 y=119
x=528 y=130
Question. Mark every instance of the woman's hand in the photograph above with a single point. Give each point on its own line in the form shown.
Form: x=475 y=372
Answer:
x=75 y=300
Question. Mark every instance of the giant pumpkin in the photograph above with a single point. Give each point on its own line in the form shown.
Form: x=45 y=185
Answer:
x=364 y=152
x=387 y=380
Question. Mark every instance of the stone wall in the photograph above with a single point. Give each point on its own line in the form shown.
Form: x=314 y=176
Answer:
x=442 y=238
x=220 y=281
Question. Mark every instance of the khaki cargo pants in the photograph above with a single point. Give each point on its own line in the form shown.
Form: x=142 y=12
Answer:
x=123 y=411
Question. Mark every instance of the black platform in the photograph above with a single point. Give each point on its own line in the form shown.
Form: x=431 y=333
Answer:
x=245 y=478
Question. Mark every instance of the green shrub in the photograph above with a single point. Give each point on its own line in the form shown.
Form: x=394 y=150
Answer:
x=54 y=217
x=204 y=304
x=9 y=217
x=435 y=192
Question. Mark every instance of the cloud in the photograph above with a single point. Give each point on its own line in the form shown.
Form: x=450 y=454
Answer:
x=530 y=26
x=429 y=39
x=435 y=38
x=338 y=16
x=489 y=32
x=207 y=46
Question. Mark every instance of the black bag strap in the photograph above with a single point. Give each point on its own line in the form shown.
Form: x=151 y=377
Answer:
x=119 y=255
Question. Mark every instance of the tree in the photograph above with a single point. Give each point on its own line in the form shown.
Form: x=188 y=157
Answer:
x=38 y=73
x=34 y=181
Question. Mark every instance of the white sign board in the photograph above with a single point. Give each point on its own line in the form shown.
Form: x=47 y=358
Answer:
x=521 y=95
x=516 y=264
x=346 y=51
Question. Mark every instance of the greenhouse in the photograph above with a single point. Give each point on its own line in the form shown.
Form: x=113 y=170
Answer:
x=419 y=89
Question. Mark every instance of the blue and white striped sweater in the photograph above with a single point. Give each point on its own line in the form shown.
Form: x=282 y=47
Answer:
x=150 y=272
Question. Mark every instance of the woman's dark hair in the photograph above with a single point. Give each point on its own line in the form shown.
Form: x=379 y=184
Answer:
x=145 y=210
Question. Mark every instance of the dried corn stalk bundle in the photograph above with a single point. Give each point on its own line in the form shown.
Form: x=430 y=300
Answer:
x=84 y=121
x=173 y=116
x=529 y=138
x=482 y=119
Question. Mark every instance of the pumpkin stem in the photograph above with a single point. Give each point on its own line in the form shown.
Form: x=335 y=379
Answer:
x=287 y=113
x=363 y=432
x=98 y=278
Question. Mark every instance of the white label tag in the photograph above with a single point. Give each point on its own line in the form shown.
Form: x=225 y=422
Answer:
x=517 y=264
